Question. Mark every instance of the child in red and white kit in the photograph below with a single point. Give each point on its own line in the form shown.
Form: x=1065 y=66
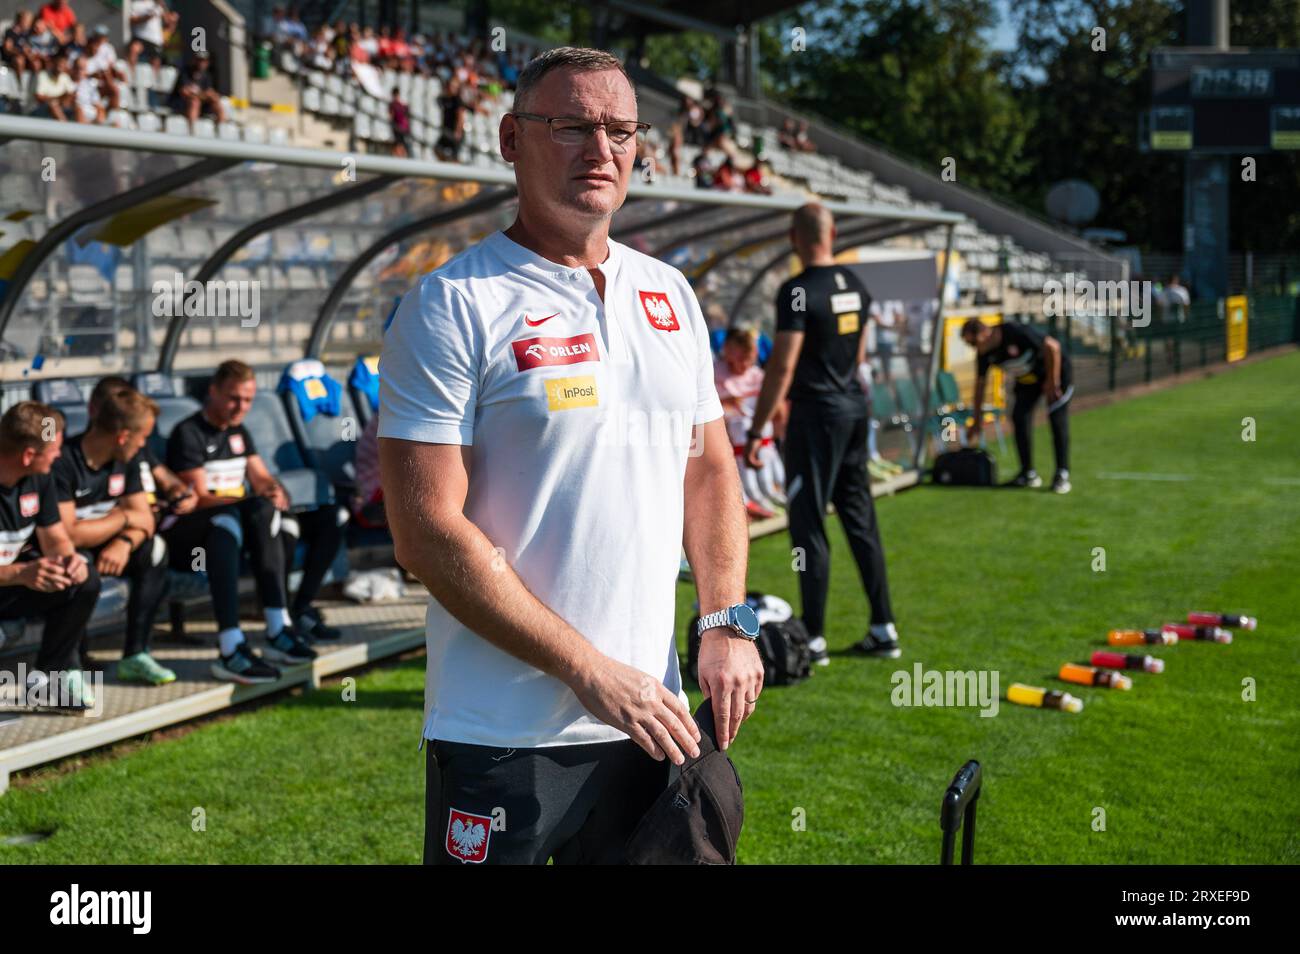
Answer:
x=739 y=380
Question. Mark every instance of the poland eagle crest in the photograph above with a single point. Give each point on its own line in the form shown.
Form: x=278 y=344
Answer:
x=467 y=836
x=659 y=311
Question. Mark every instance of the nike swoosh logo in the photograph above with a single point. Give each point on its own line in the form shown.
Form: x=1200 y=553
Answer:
x=212 y=448
x=533 y=324
x=82 y=493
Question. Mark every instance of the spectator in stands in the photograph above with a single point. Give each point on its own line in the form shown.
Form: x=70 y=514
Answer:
x=58 y=16
x=89 y=103
x=802 y=140
x=788 y=137
x=103 y=66
x=287 y=32
x=168 y=495
x=703 y=172
x=294 y=27
x=320 y=51
x=56 y=92
x=357 y=51
x=399 y=116
x=384 y=44
x=13 y=49
x=44 y=578
x=719 y=125
x=757 y=177
x=727 y=178
x=151 y=24
x=40 y=44
x=370 y=43
x=341 y=42
x=195 y=92
x=1177 y=301
x=739 y=381
x=106 y=513
x=453 y=122
x=239 y=508
x=76 y=47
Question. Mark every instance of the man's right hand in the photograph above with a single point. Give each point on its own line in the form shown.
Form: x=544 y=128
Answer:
x=640 y=705
x=973 y=435
x=45 y=576
x=184 y=503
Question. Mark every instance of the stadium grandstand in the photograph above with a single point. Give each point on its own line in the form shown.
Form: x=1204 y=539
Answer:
x=270 y=197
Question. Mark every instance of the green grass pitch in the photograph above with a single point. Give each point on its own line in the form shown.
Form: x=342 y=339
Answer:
x=1184 y=768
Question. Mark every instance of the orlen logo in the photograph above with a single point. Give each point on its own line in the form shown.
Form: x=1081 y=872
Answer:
x=541 y=352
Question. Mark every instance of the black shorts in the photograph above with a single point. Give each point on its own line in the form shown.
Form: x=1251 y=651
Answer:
x=575 y=804
x=148 y=51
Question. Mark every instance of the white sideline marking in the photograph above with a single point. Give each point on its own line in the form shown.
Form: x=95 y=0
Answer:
x=1135 y=475
x=1284 y=481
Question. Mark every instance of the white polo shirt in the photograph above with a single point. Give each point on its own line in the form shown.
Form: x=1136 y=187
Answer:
x=580 y=415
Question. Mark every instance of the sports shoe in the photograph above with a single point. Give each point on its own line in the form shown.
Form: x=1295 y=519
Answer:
x=877 y=470
x=288 y=647
x=244 y=667
x=820 y=657
x=757 y=511
x=881 y=641
x=144 y=668
x=1061 y=482
x=312 y=626
x=1026 y=478
x=78 y=692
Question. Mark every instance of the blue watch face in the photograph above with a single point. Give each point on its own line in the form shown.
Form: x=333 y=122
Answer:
x=745 y=619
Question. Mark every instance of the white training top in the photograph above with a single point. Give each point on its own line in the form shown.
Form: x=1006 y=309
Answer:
x=580 y=415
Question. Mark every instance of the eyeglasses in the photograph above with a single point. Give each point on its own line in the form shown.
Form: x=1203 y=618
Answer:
x=571 y=131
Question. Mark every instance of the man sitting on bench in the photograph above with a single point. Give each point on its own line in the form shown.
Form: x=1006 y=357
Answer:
x=45 y=580
x=214 y=454
x=106 y=512
x=169 y=497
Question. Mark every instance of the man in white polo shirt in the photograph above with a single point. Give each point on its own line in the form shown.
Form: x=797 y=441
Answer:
x=537 y=400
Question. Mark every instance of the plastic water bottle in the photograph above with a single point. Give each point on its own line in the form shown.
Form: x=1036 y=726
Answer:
x=1088 y=676
x=1023 y=695
x=1127 y=661
x=1222 y=619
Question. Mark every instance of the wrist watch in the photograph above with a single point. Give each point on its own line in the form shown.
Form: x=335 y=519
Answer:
x=739 y=617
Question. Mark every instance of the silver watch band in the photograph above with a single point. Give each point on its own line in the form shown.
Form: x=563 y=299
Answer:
x=712 y=621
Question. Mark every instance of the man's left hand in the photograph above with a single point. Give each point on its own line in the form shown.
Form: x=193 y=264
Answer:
x=1052 y=391
x=752 y=447
x=731 y=674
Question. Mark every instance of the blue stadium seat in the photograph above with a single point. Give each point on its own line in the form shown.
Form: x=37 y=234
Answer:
x=268 y=423
x=328 y=442
x=64 y=395
x=360 y=400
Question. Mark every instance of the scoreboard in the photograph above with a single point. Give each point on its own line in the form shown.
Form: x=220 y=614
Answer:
x=1224 y=102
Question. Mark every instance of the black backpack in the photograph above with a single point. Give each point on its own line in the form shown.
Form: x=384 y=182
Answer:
x=782 y=645
x=968 y=467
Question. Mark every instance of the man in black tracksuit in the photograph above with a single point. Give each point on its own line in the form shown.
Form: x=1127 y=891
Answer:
x=106 y=513
x=1041 y=369
x=820 y=318
x=42 y=576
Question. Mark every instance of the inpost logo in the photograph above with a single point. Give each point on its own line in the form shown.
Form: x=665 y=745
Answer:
x=562 y=394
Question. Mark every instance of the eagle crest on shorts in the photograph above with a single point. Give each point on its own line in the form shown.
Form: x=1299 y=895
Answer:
x=467 y=836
